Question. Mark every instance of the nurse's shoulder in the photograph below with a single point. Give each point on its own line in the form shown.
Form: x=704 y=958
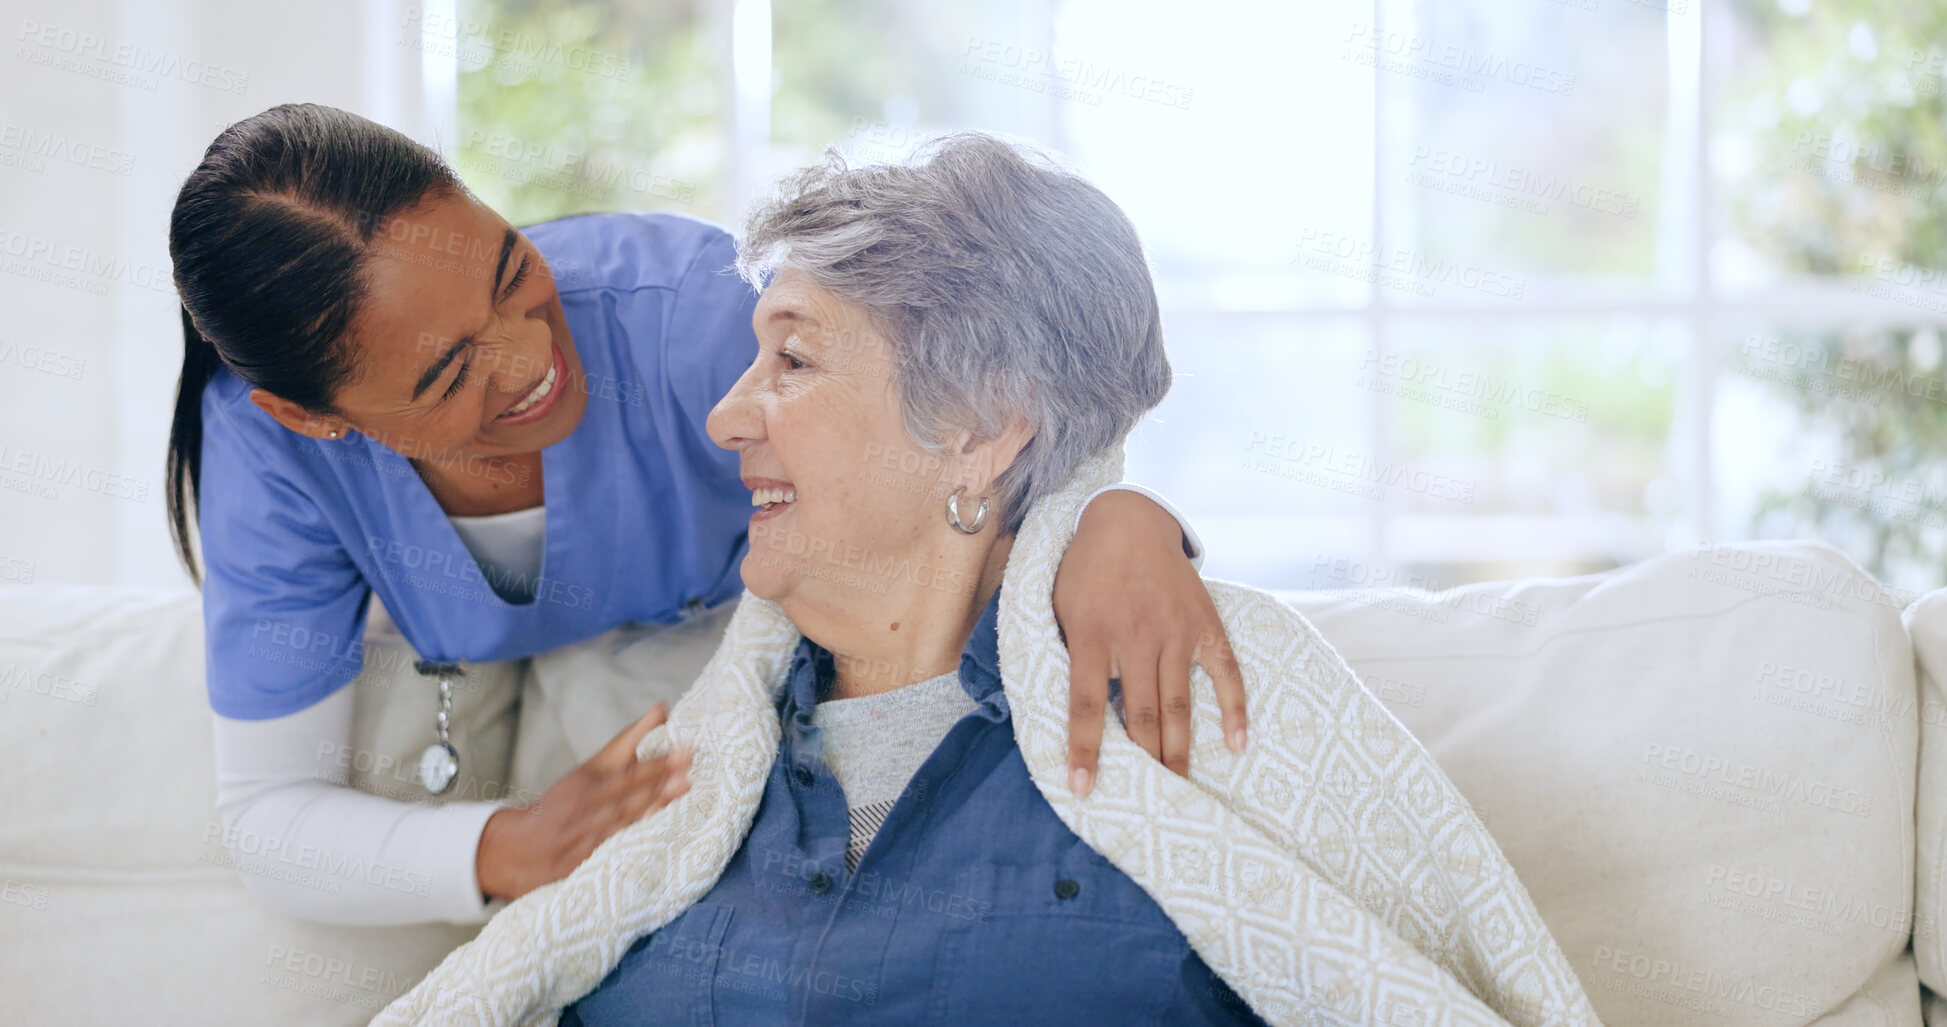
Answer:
x=625 y=251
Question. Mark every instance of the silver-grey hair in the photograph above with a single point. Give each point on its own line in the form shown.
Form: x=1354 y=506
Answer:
x=1007 y=284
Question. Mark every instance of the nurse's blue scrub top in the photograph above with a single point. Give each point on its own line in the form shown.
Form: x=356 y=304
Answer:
x=646 y=517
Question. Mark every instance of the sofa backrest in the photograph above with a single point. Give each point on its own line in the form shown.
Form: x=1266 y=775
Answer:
x=1702 y=766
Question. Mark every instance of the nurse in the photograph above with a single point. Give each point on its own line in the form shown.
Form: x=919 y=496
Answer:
x=389 y=390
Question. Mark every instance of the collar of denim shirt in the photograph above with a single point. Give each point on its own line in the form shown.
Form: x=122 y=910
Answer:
x=814 y=672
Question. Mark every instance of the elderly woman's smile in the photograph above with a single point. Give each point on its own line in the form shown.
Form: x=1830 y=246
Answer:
x=770 y=494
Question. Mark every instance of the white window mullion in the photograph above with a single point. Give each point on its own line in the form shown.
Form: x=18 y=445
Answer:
x=1683 y=260
x=1377 y=309
x=1703 y=338
x=740 y=33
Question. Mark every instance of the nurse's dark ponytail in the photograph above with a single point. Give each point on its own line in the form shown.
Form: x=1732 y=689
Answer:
x=268 y=239
x=200 y=362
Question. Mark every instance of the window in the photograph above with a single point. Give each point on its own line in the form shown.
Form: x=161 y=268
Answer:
x=1453 y=291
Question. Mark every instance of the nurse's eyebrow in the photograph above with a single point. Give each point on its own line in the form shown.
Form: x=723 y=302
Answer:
x=439 y=366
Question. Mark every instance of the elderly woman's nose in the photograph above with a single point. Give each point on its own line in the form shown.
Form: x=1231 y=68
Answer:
x=736 y=419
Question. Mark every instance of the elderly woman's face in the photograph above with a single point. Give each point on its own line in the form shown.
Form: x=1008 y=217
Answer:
x=816 y=420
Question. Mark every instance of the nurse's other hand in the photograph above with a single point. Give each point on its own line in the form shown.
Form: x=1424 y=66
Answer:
x=522 y=849
x=1132 y=606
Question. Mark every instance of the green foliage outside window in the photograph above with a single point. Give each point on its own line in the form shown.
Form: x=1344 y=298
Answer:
x=1842 y=108
x=569 y=108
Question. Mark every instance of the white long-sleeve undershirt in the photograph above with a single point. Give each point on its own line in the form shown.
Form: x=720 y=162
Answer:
x=309 y=845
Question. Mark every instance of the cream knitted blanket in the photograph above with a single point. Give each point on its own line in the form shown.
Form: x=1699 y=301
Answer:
x=1331 y=874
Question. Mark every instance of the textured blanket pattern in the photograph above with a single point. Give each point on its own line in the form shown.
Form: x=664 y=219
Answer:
x=1331 y=874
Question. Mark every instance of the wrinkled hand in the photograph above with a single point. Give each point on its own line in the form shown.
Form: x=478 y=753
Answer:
x=523 y=849
x=1131 y=606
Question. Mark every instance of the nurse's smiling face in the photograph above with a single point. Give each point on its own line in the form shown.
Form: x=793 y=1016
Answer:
x=459 y=346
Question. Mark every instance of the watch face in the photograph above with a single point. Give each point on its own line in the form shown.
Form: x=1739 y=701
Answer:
x=438 y=766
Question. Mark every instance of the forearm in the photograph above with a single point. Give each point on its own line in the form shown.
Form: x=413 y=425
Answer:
x=308 y=845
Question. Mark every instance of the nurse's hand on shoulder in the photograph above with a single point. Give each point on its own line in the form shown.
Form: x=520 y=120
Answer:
x=522 y=849
x=1131 y=606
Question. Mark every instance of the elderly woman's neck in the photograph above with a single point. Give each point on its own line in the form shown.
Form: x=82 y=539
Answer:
x=913 y=632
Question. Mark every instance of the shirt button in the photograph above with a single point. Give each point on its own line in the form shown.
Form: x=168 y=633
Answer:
x=803 y=774
x=1066 y=889
x=821 y=883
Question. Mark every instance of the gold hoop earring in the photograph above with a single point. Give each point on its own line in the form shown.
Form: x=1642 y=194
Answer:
x=953 y=513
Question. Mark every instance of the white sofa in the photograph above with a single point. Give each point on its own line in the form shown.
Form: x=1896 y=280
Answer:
x=1705 y=767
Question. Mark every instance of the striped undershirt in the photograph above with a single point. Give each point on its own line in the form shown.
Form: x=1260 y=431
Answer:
x=875 y=743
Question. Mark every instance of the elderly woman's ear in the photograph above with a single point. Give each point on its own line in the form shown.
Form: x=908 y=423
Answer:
x=980 y=462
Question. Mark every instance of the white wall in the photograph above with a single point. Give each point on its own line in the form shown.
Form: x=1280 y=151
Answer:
x=104 y=107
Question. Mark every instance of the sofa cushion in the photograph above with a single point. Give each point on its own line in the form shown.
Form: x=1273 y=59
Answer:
x=1926 y=624
x=1701 y=765
x=119 y=902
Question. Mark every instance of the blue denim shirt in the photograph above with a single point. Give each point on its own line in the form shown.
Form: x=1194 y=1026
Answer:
x=974 y=905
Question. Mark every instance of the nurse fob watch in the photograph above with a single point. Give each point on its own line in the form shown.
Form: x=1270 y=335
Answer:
x=439 y=765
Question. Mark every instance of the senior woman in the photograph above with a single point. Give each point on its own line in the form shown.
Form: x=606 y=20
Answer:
x=879 y=830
